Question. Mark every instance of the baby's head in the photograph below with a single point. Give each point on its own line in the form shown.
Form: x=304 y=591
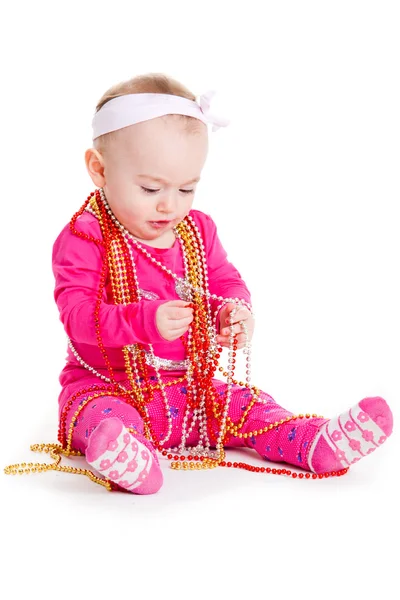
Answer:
x=149 y=170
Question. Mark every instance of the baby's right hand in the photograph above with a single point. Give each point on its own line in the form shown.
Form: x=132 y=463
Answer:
x=173 y=319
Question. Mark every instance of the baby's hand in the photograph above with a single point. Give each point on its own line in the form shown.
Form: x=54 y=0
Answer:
x=242 y=314
x=173 y=319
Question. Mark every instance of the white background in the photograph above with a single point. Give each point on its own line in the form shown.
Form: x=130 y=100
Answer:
x=304 y=188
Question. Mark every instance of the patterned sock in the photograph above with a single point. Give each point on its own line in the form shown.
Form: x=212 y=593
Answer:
x=120 y=456
x=342 y=441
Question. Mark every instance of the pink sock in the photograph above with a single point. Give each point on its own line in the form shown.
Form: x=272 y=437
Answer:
x=121 y=457
x=342 y=441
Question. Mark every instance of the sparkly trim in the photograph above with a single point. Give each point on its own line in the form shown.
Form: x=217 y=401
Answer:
x=162 y=363
x=156 y=363
x=148 y=295
x=183 y=289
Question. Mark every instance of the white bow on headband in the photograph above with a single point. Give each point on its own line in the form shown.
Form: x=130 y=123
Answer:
x=129 y=109
x=204 y=102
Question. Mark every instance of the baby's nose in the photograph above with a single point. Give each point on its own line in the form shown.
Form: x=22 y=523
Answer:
x=168 y=202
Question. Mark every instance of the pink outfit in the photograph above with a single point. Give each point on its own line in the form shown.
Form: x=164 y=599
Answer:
x=76 y=266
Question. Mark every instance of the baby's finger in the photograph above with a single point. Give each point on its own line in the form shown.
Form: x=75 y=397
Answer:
x=179 y=313
x=236 y=329
x=175 y=324
x=176 y=333
x=224 y=339
x=177 y=303
x=241 y=315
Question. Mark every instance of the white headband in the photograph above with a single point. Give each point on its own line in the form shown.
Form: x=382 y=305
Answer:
x=129 y=109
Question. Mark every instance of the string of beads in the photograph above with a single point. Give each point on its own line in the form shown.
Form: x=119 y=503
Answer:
x=201 y=348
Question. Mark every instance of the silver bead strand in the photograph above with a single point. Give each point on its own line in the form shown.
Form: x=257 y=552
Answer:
x=200 y=415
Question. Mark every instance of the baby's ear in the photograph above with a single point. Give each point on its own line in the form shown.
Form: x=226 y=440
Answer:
x=95 y=166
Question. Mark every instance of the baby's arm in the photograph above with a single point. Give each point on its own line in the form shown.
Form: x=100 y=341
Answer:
x=224 y=279
x=77 y=266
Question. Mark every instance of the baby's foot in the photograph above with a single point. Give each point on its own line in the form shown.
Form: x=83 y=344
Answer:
x=118 y=455
x=342 y=441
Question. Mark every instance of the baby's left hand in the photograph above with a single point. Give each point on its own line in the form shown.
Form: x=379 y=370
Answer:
x=242 y=314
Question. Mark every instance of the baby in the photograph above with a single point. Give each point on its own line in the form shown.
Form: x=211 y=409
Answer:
x=148 y=300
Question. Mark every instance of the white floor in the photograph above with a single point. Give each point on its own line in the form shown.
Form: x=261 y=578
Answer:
x=206 y=534
x=303 y=186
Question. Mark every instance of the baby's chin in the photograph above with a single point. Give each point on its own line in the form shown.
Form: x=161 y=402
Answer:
x=162 y=236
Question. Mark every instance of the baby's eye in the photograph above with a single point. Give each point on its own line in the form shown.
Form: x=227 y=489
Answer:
x=152 y=191
x=149 y=190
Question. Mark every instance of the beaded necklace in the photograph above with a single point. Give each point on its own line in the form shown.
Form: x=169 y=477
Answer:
x=202 y=353
x=201 y=347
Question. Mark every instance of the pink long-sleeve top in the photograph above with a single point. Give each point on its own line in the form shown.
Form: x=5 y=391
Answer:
x=77 y=265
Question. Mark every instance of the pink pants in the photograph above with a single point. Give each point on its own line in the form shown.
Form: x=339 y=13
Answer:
x=289 y=442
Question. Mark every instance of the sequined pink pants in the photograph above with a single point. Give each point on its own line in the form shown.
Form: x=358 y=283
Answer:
x=287 y=443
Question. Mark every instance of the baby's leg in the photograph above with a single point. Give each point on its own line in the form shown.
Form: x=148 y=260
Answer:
x=315 y=444
x=128 y=459
x=288 y=442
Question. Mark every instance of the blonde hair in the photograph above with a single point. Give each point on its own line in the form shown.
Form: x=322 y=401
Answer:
x=150 y=83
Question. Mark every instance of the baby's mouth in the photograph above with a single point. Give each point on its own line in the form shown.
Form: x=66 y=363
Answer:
x=159 y=224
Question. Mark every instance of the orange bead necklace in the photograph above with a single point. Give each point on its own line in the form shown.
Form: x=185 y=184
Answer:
x=201 y=349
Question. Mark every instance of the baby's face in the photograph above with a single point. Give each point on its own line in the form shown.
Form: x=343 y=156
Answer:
x=151 y=173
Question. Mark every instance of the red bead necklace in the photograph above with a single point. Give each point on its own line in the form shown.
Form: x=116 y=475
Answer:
x=202 y=356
